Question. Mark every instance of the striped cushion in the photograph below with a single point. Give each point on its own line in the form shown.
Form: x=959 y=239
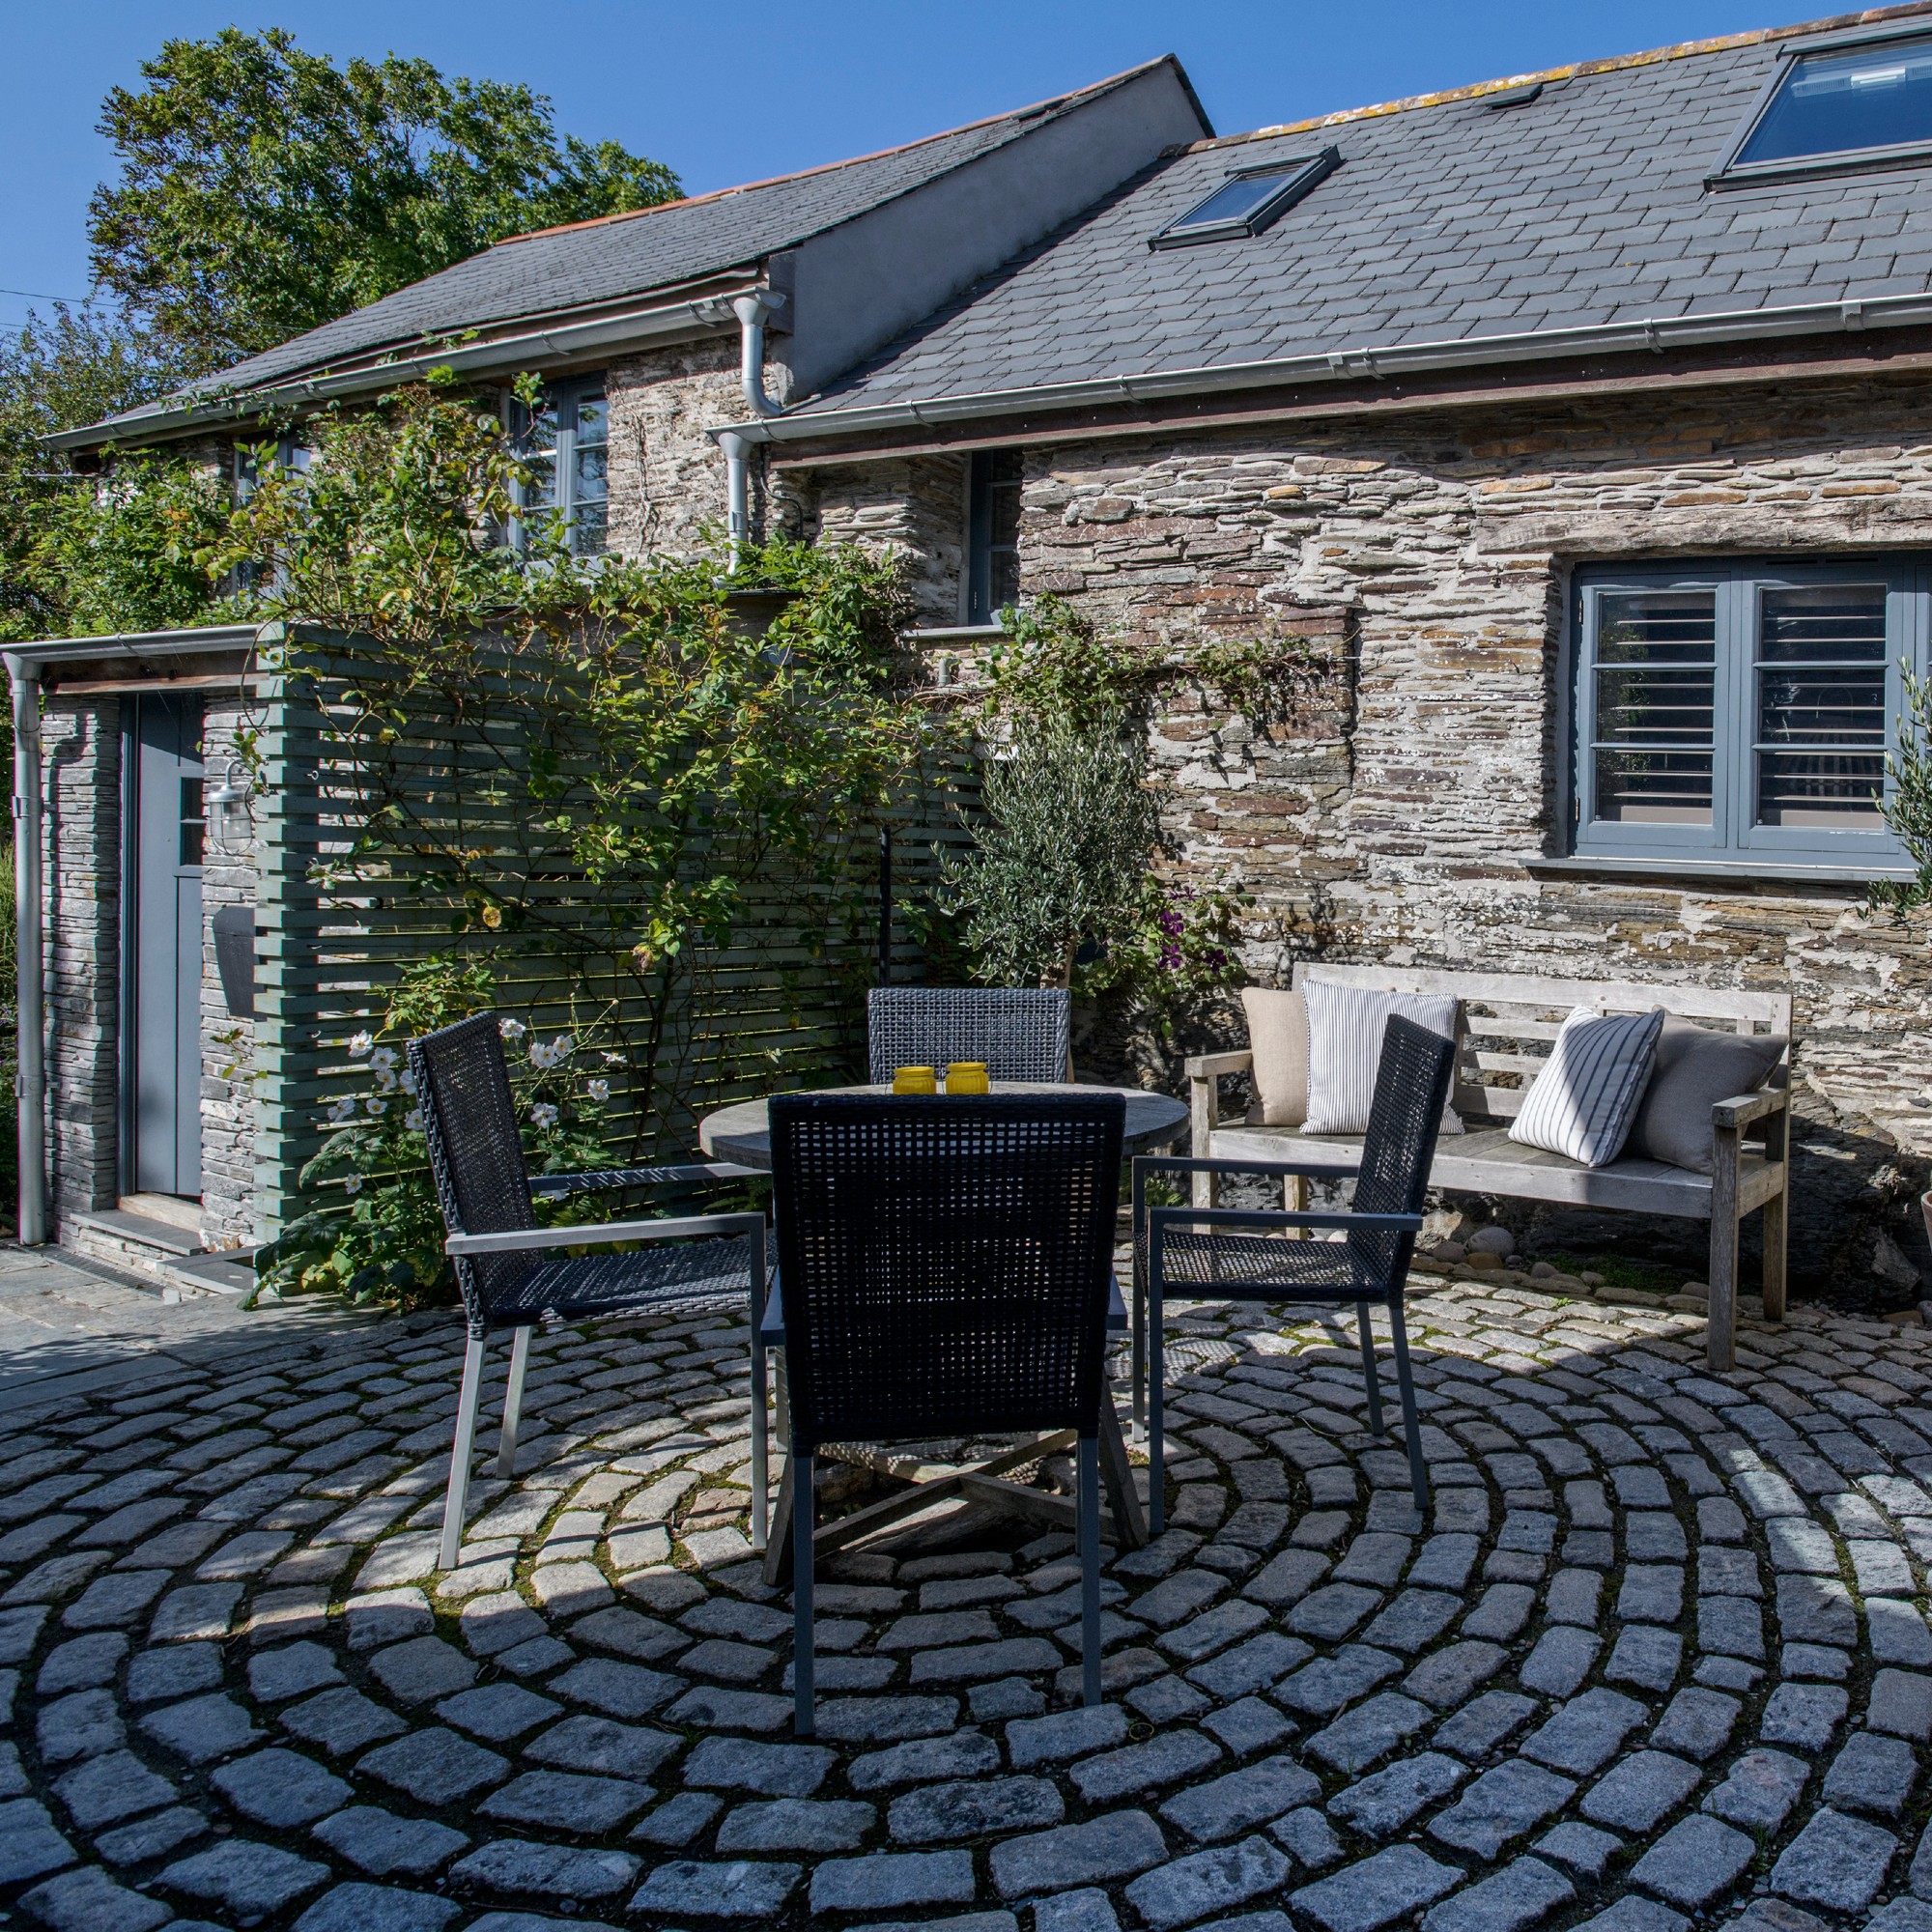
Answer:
x=1586 y=1096
x=1346 y=1025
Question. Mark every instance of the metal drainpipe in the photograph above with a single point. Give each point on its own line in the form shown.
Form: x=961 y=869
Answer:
x=30 y=1086
x=751 y=311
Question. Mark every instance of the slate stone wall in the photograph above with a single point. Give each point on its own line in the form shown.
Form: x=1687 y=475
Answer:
x=229 y=874
x=1387 y=811
x=81 y=834
x=666 y=475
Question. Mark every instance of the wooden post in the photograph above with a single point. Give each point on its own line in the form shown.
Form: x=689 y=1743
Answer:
x=1722 y=1339
x=1776 y=1215
x=1203 y=1105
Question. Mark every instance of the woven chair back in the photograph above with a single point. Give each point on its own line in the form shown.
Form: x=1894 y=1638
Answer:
x=1020 y=1032
x=1411 y=1086
x=475 y=1151
x=945 y=1263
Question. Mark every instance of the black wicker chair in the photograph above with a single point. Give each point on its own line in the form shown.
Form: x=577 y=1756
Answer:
x=1019 y=1032
x=947 y=1269
x=510 y=1272
x=1184 y=1252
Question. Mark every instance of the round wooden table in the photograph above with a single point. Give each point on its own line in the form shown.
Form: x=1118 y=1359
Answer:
x=742 y=1135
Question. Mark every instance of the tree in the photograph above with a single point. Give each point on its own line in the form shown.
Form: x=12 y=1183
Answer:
x=264 y=191
x=1908 y=806
x=60 y=371
x=1061 y=858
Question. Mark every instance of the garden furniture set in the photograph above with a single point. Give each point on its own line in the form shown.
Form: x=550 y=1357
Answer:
x=945 y=1266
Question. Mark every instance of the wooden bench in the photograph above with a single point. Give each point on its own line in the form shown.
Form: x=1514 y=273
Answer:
x=1505 y=1023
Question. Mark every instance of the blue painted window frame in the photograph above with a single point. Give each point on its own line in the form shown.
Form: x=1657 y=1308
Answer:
x=1737 y=586
x=565 y=397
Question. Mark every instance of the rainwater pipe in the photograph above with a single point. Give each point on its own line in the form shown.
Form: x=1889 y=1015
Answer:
x=30 y=1084
x=751 y=311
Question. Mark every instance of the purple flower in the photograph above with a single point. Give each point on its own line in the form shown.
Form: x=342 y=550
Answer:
x=1171 y=924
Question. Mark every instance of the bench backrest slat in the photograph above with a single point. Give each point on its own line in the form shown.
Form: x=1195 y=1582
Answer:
x=1516 y=1009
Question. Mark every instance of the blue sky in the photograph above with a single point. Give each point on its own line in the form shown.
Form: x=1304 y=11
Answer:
x=730 y=93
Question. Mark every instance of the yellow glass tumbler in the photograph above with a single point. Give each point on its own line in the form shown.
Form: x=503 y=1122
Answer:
x=966 y=1076
x=914 y=1080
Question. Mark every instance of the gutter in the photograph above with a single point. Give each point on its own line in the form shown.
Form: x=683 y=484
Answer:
x=697 y=317
x=25 y=667
x=1657 y=334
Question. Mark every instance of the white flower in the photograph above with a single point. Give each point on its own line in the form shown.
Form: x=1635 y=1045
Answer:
x=544 y=1114
x=360 y=1045
x=409 y=1081
x=543 y=1058
x=599 y=1090
x=385 y=1081
x=344 y=1108
x=377 y=1106
x=383 y=1058
x=511 y=1029
x=415 y=1123
x=352 y=1185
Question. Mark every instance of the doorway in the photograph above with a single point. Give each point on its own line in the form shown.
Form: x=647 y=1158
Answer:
x=160 y=1033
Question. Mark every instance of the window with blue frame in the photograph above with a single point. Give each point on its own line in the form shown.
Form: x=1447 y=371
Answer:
x=565 y=441
x=1742 y=711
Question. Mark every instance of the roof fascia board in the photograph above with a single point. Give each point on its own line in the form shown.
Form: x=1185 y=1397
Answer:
x=25 y=660
x=694 y=318
x=1354 y=401
x=1341 y=366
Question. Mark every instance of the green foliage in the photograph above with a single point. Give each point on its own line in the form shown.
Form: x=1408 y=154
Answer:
x=56 y=373
x=376 y=1233
x=1908 y=808
x=264 y=192
x=1061 y=857
x=599 y=774
x=131 y=553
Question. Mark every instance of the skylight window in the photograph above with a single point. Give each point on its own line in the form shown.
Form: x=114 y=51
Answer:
x=1247 y=202
x=1844 y=104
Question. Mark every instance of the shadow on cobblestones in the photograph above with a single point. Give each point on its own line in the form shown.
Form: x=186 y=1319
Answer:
x=1657 y=1653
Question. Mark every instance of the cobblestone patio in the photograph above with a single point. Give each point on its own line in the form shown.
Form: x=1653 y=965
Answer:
x=1657 y=1654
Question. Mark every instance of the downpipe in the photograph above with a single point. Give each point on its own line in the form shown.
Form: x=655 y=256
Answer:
x=751 y=310
x=31 y=1079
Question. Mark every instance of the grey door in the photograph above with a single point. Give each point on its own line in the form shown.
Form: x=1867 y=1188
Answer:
x=164 y=945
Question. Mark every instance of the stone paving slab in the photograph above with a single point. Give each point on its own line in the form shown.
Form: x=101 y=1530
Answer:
x=1656 y=1655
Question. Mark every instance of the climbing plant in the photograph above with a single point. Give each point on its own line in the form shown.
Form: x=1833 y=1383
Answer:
x=646 y=816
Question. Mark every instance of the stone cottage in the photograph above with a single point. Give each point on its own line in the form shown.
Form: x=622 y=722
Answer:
x=1573 y=428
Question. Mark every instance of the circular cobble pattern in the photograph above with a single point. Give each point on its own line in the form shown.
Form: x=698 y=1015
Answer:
x=1656 y=1655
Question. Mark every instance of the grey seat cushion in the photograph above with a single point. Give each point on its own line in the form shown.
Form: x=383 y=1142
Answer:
x=1696 y=1067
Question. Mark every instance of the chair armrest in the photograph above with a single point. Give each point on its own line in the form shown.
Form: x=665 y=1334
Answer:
x=522 y=1240
x=1746 y=1108
x=1207 y=1066
x=1281 y=1218
x=608 y=1179
x=772 y=1323
x=1228 y=1163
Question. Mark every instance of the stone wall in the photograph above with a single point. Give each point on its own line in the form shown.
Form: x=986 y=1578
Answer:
x=666 y=475
x=81 y=760
x=229 y=876
x=915 y=506
x=1389 y=811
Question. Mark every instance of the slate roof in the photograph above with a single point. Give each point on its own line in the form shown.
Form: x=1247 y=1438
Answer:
x=600 y=261
x=1448 y=220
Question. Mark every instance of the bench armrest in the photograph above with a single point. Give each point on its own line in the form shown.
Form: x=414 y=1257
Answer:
x=1746 y=1108
x=1207 y=1066
x=524 y=1240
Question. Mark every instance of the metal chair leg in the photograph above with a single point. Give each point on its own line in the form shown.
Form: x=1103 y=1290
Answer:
x=805 y=1719
x=1088 y=1484
x=457 y=1499
x=761 y=1471
x=1157 y=1373
x=1376 y=1426
x=513 y=1403
x=1418 y=1473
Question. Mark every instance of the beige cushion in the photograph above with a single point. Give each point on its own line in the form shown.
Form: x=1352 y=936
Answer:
x=1696 y=1067
x=1278 y=1034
